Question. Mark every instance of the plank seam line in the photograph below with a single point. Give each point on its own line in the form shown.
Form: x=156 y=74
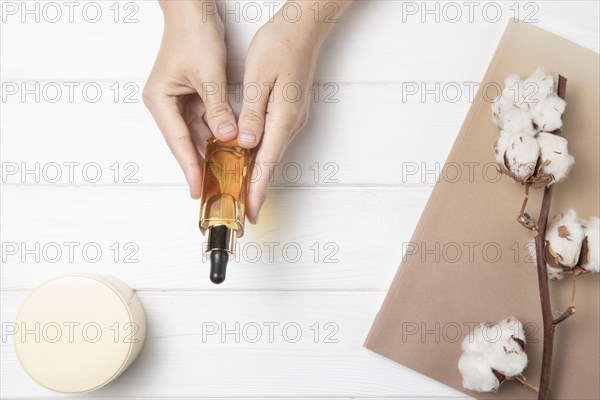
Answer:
x=188 y=291
x=424 y=186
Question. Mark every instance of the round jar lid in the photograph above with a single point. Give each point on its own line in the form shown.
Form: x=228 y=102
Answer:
x=77 y=333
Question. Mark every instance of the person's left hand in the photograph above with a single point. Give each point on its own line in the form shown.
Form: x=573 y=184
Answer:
x=277 y=84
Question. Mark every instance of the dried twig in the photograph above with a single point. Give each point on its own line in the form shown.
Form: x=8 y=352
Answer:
x=571 y=309
x=524 y=218
x=523 y=380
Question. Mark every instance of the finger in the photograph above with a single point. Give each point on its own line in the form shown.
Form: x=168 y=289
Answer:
x=219 y=115
x=175 y=131
x=194 y=116
x=251 y=124
x=200 y=132
x=274 y=142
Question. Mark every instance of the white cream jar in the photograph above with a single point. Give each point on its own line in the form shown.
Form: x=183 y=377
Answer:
x=77 y=333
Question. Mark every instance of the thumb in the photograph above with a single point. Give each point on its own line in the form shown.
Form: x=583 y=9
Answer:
x=254 y=110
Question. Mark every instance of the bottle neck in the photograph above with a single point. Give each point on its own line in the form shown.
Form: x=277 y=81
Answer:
x=221 y=237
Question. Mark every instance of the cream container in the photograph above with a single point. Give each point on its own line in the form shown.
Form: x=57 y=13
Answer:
x=77 y=333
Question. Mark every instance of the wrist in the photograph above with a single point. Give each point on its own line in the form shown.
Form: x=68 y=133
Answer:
x=181 y=16
x=188 y=8
x=314 y=19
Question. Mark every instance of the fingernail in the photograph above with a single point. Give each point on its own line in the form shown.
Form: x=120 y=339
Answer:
x=246 y=137
x=194 y=195
x=226 y=128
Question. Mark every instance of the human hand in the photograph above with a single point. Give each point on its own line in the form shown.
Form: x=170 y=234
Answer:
x=186 y=91
x=277 y=83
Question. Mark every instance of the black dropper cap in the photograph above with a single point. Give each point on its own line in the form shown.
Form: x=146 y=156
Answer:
x=218 y=265
x=220 y=243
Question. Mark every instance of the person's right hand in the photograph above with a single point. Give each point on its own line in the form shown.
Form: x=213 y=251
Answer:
x=186 y=91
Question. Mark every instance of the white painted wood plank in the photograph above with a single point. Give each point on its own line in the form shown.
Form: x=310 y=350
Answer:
x=181 y=358
x=357 y=135
x=307 y=239
x=375 y=41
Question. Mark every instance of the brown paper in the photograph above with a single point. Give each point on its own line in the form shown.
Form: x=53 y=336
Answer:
x=468 y=259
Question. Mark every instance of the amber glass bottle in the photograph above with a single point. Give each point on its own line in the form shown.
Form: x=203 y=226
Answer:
x=222 y=206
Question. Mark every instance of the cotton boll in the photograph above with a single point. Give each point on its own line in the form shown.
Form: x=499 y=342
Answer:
x=521 y=155
x=512 y=328
x=507 y=354
x=591 y=229
x=508 y=359
x=547 y=113
x=493 y=353
x=476 y=373
x=544 y=82
x=556 y=160
x=501 y=105
x=564 y=238
x=518 y=121
x=525 y=94
x=511 y=80
x=513 y=89
x=518 y=154
x=477 y=340
x=506 y=334
x=554 y=273
x=501 y=146
x=500 y=332
x=531 y=108
x=537 y=88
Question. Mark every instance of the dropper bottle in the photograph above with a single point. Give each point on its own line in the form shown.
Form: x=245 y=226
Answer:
x=222 y=205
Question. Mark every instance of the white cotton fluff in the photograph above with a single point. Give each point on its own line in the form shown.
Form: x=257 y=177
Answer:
x=565 y=237
x=524 y=103
x=536 y=89
x=501 y=146
x=507 y=356
x=476 y=373
x=506 y=115
x=547 y=113
x=519 y=153
x=513 y=89
x=477 y=341
x=518 y=121
x=505 y=102
x=556 y=160
x=554 y=274
x=526 y=94
x=486 y=336
x=512 y=81
x=509 y=360
x=492 y=347
x=591 y=229
x=544 y=82
x=501 y=106
x=512 y=328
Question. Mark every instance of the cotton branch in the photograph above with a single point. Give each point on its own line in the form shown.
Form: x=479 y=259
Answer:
x=549 y=322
